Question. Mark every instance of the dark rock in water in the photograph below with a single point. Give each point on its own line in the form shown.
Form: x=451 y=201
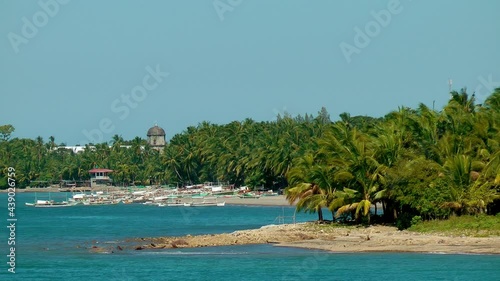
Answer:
x=139 y=248
x=119 y=248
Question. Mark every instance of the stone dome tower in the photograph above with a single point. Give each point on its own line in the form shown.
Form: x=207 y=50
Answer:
x=156 y=138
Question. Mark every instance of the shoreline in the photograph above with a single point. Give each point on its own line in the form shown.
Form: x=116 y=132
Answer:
x=278 y=200
x=59 y=190
x=341 y=239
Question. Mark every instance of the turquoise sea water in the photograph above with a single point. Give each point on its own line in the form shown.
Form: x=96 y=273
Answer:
x=52 y=244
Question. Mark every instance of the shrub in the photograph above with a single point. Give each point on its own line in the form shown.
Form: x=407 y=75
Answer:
x=415 y=220
x=403 y=221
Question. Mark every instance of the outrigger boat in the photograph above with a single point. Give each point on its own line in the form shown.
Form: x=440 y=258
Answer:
x=207 y=202
x=50 y=204
x=171 y=203
x=249 y=196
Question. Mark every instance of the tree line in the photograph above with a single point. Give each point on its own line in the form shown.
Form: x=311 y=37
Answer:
x=412 y=162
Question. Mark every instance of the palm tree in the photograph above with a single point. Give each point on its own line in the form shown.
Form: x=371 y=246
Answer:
x=462 y=99
x=310 y=185
x=353 y=158
x=466 y=194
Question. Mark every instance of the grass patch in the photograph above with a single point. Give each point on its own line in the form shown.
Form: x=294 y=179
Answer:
x=476 y=226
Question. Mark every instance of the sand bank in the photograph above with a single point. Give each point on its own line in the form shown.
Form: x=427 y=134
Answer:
x=262 y=201
x=334 y=239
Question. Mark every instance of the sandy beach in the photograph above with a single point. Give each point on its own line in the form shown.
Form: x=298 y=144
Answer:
x=333 y=239
x=279 y=200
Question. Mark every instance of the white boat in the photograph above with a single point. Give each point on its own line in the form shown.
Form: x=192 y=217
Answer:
x=207 y=202
x=172 y=202
x=249 y=196
x=50 y=204
x=100 y=202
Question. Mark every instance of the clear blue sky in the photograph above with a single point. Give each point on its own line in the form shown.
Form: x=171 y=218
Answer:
x=255 y=59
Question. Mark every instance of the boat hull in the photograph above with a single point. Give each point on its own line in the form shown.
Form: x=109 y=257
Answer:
x=49 y=205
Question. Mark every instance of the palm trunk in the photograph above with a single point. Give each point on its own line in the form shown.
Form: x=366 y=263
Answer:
x=320 y=214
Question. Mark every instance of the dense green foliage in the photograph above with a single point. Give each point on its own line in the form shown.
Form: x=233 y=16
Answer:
x=412 y=162
x=415 y=162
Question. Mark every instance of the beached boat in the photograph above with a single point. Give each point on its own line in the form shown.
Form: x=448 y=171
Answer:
x=249 y=196
x=97 y=198
x=100 y=202
x=206 y=202
x=269 y=193
x=171 y=203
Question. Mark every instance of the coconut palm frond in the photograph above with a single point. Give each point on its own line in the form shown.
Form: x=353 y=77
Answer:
x=452 y=205
x=346 y=209
x=363 y=208
x=343 y=176
x=381 y=194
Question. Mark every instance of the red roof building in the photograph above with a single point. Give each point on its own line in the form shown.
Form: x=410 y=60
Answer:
x=98 y=176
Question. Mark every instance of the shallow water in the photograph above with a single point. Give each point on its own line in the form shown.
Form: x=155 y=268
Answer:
x=51 y=245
